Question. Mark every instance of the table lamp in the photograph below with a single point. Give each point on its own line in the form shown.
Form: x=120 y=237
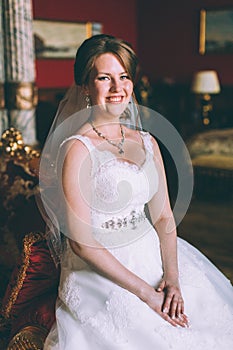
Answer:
x=205 y=83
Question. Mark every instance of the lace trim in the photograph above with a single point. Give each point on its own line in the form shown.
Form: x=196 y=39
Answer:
x=127 y=165
x=215 y=314
x=217 y=335
x=69 y=293
x=112 y=322
x=187 y=270
x=147 y=140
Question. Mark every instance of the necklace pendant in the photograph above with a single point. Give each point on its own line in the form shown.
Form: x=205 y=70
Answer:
x=118 y=145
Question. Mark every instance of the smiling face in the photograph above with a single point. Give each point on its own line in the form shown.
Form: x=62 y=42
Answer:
x=109 y=85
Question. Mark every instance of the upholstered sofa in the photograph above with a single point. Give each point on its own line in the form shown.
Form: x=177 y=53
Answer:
x=212 y=158
x=29 y=277
x=29 y=301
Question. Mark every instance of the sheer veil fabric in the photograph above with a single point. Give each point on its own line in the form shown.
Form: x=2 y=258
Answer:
x=72 y=113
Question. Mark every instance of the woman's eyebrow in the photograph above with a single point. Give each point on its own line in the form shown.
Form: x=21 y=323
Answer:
x=110 y=73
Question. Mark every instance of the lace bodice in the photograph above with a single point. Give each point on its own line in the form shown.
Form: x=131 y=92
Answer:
x=119 y=187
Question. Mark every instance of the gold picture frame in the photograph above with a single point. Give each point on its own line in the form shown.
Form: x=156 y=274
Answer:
x=216 y=31
x=59 y=39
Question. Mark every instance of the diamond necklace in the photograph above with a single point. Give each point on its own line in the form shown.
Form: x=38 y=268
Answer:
x=117 y=145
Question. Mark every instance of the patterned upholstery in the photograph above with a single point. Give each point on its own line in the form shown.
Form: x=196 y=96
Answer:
x=28 y=338
x=29 y=301
x=212 y=158
x=213 y=148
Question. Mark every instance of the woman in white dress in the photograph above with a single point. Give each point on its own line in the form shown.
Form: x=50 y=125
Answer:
x=126 y=282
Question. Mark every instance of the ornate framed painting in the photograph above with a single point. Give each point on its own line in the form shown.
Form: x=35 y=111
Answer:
x=60 y=39
x=216 y=31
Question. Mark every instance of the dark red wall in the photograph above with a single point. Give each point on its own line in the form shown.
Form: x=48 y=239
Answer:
x=168 y=33
x=117 y=16
x=163 y=32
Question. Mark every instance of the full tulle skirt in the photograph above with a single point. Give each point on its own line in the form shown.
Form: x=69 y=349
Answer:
x=93 y=313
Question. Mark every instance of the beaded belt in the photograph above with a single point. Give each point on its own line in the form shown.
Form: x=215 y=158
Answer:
x=130 y=221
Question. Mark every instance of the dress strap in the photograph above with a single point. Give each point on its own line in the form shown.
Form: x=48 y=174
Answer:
x=84 y=139
x=89 y=145
x=147 y=140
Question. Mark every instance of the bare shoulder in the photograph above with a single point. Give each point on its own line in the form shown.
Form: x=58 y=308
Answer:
x=76 y=143
x=75 y=151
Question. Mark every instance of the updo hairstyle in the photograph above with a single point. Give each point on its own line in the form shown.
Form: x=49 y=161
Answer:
x=97 y=45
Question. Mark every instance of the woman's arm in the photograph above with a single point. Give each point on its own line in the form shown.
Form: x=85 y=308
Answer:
x=164 y=223
x=76 y=174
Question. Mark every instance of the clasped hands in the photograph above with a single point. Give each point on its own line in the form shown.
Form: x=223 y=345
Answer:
x=167 y=301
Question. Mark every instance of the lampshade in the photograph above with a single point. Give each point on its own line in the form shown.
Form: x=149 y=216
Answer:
x=205 y=82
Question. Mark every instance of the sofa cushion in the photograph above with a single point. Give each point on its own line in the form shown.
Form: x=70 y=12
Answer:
x=214 y=161
x=212 y=142
x=40 y=313
x=34 y=275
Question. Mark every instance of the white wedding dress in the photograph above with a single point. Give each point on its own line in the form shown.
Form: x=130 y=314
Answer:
x=93 y=313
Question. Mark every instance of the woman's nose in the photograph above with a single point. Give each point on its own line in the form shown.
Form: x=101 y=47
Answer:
x=115 y=85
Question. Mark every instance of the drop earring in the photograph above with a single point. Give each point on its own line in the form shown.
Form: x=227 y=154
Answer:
x=88 y=101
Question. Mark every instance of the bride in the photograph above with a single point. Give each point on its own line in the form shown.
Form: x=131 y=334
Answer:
x=127 y=282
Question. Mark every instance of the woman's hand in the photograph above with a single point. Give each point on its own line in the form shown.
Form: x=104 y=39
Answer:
x=155 y=300
x=173 y=304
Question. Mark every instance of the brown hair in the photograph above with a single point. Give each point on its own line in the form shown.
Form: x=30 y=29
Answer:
x=97 y=45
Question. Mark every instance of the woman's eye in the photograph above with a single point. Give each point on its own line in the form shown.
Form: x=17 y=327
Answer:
x=103 y=78
x=125 y=76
